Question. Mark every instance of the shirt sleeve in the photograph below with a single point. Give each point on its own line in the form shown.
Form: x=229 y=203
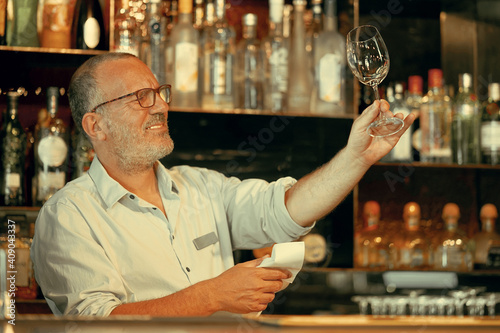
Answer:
x=257 y=213
x=71 y=267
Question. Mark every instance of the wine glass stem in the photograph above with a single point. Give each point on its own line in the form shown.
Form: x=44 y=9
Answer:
x=375 y=90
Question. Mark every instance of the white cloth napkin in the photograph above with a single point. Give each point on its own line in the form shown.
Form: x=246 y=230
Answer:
x=289 y=256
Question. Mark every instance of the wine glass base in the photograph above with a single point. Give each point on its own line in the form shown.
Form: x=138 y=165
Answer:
x=385 y=127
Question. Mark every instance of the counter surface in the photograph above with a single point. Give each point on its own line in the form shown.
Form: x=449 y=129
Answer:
x=262 y=324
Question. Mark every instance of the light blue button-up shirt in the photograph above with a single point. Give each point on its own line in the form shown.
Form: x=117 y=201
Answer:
x=97 y=245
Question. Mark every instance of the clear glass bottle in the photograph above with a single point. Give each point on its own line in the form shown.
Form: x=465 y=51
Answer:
x=276 y=62
x=371 y=247
x=487 y=235
x=490 y=126
x=414 y=102
x=184 y=40
x=83 y=155
x=126 y=38
x=402 y=152
x=199 y=14
x=249 y=67
x=465 y=126
x=13 y=145
x=51 y=151
x=329 y=55
x=299 y=75
x=15 y=239
x=452 y=248
x=152 y=48
x=25 y=23
x=412 y=246
x=313 y=30
x=435 y=121
x=217 y=60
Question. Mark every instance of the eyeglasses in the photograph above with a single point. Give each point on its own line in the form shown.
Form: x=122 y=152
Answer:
x=146 y=97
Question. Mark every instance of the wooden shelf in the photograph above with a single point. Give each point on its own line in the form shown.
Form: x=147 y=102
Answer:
x=50 y=50
x=441 y=165
x=262 y=113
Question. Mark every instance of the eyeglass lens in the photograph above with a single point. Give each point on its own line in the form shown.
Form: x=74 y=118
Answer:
x=147 y=97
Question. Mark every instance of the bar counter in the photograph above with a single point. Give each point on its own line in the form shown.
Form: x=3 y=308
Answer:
x=262 y=324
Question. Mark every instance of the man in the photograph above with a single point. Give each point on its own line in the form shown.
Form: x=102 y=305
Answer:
x=131 y=237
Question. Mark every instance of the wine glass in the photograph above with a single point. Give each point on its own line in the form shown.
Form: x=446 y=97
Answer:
x=368 y=59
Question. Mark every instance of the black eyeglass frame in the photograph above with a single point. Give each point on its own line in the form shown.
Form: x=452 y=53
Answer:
x=136 y=93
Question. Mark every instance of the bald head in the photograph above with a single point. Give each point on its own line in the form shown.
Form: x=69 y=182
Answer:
x=84 y=92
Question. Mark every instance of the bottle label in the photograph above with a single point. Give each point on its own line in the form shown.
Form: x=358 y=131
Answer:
x=279 y=69
x=490 y=135
x=91 y=32
x=402 y=150
x=330 y=77
x=13 y=181
x=52 y=151
x=412 y=223
x=186 y=67
x=220 y=74
x=22 y=267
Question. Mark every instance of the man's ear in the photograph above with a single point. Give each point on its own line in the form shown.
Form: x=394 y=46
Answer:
x=91 y=125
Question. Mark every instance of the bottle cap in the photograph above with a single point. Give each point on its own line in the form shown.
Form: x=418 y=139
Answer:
x=411 y=209
x=465 y=80
x=249 y=19
x=494 y=91
x=488 y=211
x=435 y=78
x=276 y=10
x=415 y=84
x=399 y=88
x=371 y=207
x=300 y=2
x=185 y=6
x=451 y=210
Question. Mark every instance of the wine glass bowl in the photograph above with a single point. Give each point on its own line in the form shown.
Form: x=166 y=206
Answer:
x=369 y=61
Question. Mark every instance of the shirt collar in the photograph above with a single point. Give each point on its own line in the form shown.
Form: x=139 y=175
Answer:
x=111 y=191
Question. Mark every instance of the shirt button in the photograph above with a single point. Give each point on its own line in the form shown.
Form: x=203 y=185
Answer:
x=187 y=269
x=173 y=237
x=132 y=197
x=154 y=208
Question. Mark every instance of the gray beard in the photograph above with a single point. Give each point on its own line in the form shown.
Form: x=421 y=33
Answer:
x=135 y=155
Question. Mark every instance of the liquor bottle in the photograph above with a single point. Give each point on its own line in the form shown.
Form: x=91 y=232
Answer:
x=413 y=247
x=313 y=30
x=490 y=126
x=217 y=59
x=299 y=75
x=88 y=26
x=402 y=152
x=83 y=155
x=185 y=41
x=56 y=23
x=125 y=34
x=199 y=14
x=249 y=67
x=435 y=121
x=452 y=248
x=371 y=247
x=3 y=22
x=51 y=152
x=465 y=124
x=486 y=236
x=152 y=48
x=329 y=94
x=13 y=143
x=25 y=23
x=276 y=62
x=287 y=24
x=16 y=241
x=414 y=101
